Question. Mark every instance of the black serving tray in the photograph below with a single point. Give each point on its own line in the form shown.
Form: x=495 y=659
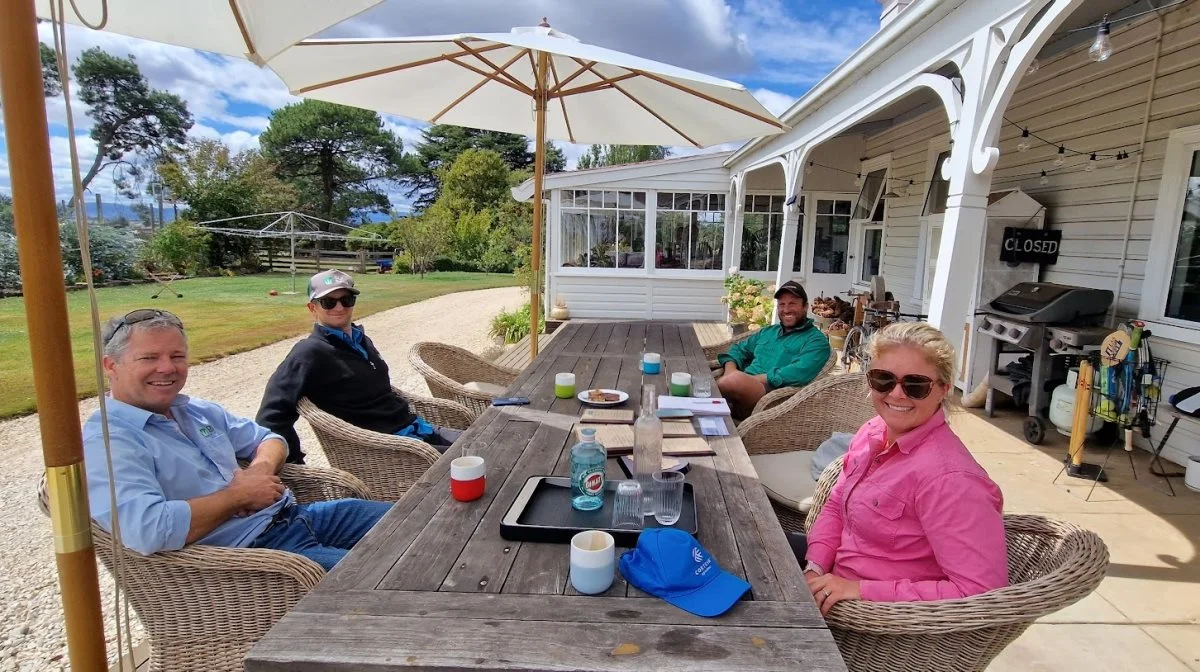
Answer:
x=542 y=512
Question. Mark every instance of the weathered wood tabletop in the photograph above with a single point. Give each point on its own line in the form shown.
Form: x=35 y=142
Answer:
x=434 y=586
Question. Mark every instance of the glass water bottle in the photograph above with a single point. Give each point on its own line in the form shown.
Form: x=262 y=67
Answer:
x=647 y=447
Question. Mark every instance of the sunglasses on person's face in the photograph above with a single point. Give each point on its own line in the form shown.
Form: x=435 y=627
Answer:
x=914 y=386
x=142 y=315
x=328 y=302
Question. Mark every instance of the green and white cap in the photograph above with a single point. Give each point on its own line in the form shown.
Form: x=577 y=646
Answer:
x=328 y=281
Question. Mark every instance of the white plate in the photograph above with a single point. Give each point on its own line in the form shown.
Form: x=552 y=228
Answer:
x=622 y=397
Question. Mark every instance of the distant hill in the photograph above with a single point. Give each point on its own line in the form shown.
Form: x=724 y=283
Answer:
x=117 y=210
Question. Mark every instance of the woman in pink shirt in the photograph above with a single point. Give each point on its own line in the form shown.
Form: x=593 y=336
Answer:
x=913 y=516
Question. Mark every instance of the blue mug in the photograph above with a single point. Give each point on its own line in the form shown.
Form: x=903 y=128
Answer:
x=651 y=363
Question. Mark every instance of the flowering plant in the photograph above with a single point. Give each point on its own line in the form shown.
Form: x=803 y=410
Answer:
x=748 y=304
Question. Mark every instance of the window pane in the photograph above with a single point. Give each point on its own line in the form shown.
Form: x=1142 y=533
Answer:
x=798 y=257
x=1183 y=295
x=718 y=203
x=574 y=241
x=777 y=204
x=871 y=189
x=831 y=241
x=610 y=199
x=933 y=245
x=568 y=198
x=877 y=216
x=671 y=247
x=762 y=203
x=748 y=203
x=754 y=243
x=708 y=241
x=624 y=200
x=841 y=207
x=939 y=189
x=631 y=240
x=603 y=238
x=595 y=199
x=639 y=200
x=775 y=240
x=824 y=207
x=683 y=201
x=871 y=253
x=665 y=200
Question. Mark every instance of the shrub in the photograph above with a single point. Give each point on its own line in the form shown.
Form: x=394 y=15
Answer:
x=113 y=252
x=514 y=325
x=10 y=272
x=402 y=263
x=177 y=248
x=748 y=304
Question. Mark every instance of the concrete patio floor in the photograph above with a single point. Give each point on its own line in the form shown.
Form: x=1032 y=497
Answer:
x=1145 y=615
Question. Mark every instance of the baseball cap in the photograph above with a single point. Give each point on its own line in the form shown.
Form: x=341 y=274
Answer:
x=672 y=565
x=792 y=287
x=327 y=281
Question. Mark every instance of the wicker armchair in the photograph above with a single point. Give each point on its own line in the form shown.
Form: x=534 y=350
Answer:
x=803 y=421
x=388 y=464
x=1051 y=564
x=778 y=396
x=711 y=352
x=203 y=607
x=447 y=369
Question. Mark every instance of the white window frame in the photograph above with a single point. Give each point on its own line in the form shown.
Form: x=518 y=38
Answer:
x=606 y=271
x=858 y=227
x=928 y=222
x=683 y=273
x=765 y=276
x=1168 y=215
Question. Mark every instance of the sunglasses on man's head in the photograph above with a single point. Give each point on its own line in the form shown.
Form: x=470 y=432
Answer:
x=328 y=302
x=143 y=315
x=913 y=385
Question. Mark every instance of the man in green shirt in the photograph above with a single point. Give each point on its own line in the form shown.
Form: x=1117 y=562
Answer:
x=789 y=353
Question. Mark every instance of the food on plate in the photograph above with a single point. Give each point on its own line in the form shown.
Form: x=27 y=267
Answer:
x=601 y=395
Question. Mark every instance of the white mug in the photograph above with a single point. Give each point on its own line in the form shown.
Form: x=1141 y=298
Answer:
x=593 y=561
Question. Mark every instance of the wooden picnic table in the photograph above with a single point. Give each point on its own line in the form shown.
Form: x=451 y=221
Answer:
x=435 y=587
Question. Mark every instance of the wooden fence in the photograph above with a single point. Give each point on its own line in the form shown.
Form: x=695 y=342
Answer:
x=312 y=261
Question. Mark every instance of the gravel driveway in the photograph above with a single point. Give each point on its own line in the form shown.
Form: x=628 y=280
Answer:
x=31 y=632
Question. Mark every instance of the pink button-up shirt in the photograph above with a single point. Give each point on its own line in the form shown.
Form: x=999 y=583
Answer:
x=916 y=520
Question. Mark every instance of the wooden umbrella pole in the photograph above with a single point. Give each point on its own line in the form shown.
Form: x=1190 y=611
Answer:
x=539 y=171
x=49 y=336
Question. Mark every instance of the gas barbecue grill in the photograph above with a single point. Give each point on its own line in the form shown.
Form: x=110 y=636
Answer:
x=1031 y=317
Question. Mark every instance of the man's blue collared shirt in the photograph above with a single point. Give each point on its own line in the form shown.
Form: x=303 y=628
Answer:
x=160 y=462
x=354 y=339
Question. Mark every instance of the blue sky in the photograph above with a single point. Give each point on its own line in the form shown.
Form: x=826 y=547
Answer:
x=777 y=48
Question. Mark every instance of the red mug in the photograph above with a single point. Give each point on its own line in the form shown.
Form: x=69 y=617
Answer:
x=467 y=478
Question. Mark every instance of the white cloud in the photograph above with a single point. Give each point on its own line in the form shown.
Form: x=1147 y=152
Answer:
x=774 y=101
x=792 y=49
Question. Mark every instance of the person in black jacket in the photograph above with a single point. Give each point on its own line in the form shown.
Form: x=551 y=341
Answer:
x=338 y=368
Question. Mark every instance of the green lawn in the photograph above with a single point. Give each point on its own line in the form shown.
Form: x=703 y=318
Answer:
x=222 y=316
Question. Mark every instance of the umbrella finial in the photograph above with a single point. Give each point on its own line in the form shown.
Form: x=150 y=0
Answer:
x=544 y=23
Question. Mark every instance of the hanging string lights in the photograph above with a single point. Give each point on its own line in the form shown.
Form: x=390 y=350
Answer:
x=1101 y=48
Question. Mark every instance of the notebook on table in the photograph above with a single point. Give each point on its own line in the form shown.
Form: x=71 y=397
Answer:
x=697 y=405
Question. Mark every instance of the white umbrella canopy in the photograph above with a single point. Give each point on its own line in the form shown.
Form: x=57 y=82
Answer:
x=487 y=80
x=254 y=29
x=533 y=81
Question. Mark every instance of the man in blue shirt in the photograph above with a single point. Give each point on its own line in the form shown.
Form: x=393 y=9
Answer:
x=339 y=369
x=175 y=459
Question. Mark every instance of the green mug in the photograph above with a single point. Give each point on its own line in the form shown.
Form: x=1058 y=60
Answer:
x=564 y=385
x=681 y=384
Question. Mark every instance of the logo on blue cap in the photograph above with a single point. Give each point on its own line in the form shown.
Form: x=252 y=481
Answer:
x=672 y=565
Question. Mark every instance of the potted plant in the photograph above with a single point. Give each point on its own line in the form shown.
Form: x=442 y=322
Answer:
x=749 y=302
x=559 y=311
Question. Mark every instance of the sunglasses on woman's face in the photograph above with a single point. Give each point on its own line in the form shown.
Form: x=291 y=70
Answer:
x=914 y=386
x=328 y=302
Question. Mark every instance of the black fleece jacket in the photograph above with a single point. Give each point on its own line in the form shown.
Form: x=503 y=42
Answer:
x=339 y=381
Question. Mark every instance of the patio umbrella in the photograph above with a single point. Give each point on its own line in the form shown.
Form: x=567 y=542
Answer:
x=254 y=29
x=535 y=81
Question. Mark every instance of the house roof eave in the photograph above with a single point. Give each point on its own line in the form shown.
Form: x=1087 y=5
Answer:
x=574 y=178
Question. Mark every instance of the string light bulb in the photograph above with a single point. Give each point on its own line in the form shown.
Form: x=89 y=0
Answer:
x=1091 y=165
x=1045 y=179
x=1034 y=66
x=1023 y=145
x=808 y=168
x=1121 y=162
x=1101 y=48
x=858 y=180
x=1061 y=158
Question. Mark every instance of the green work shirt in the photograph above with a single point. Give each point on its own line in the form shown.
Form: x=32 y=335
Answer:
x=790 y=359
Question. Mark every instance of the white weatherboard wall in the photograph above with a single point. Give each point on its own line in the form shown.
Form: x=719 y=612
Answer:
x=672 y=294
x=1086 y=106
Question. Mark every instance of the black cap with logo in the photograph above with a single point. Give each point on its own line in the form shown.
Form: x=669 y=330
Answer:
x=794 y=288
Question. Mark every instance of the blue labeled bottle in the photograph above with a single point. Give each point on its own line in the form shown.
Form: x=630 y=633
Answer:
x=588 y=462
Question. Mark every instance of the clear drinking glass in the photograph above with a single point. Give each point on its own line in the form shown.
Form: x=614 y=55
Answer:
x=668 y=493
x=627 y=507
x=701 y=386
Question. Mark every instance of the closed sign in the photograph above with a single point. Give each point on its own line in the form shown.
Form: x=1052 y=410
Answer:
x=1030 y=245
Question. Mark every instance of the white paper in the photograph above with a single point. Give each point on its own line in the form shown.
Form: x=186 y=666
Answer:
x=713 y=426
x=697 y=405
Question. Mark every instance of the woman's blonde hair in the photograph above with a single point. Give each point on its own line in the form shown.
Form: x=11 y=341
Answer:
x=938 y=350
